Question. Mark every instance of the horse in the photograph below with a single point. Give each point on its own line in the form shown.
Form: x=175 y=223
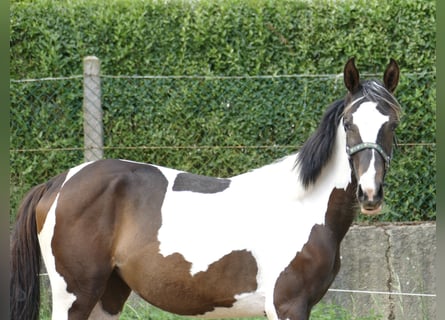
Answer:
x=262 y=243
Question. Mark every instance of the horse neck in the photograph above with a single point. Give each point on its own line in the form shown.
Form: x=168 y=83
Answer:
x=336 y=187
x=338 y=179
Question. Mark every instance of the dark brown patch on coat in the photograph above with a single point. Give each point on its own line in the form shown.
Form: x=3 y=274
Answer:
x=307 y=278
x=197 y=183
x=166 y=282
x=94 y=209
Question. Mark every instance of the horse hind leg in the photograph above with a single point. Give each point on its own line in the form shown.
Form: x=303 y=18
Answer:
x=93 y=306
x=69 y=303
x=86 y=296
x=110 y=305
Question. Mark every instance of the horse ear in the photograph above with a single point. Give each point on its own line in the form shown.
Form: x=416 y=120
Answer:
x=351 y=76
x=391 y=76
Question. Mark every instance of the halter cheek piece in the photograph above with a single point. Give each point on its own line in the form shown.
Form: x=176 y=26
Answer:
x=369 y=145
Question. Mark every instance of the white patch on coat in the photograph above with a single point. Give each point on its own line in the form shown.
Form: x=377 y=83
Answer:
x=369 y=120
x=62 y=300
x=262 y=210
x=247 y=305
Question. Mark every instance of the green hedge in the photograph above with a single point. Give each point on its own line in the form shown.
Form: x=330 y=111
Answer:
x=225 y=37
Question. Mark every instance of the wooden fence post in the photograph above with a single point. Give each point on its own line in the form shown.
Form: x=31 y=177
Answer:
x=92 y=110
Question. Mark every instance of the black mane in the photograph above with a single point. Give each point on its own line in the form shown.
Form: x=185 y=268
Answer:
x=317 y=150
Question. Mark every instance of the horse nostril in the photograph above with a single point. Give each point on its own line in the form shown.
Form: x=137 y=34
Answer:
x=370 y=196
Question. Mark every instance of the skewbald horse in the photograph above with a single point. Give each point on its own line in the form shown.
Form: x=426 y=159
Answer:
x=265 y=242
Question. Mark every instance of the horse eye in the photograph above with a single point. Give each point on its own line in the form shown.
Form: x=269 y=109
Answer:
x=348 y=126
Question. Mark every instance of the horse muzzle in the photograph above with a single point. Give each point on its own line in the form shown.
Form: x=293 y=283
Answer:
x=371 y=201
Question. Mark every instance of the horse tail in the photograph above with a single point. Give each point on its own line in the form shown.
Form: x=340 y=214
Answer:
x=25 y=260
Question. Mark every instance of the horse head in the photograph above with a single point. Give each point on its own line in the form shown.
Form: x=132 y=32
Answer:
x=370 y=117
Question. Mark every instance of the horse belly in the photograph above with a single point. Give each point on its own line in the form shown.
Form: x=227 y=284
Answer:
x=228 y=286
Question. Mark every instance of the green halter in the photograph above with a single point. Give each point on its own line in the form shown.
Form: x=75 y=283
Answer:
x=369 y=145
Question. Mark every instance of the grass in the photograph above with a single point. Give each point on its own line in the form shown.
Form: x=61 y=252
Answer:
x=320 y=312
x=139 y=310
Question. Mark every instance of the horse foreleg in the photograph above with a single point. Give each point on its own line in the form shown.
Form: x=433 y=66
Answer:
x=295 y=309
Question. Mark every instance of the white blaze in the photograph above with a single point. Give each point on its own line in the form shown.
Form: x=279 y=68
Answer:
x=369 y=121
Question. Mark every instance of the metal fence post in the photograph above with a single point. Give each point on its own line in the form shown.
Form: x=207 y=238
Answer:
x=92 y=109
